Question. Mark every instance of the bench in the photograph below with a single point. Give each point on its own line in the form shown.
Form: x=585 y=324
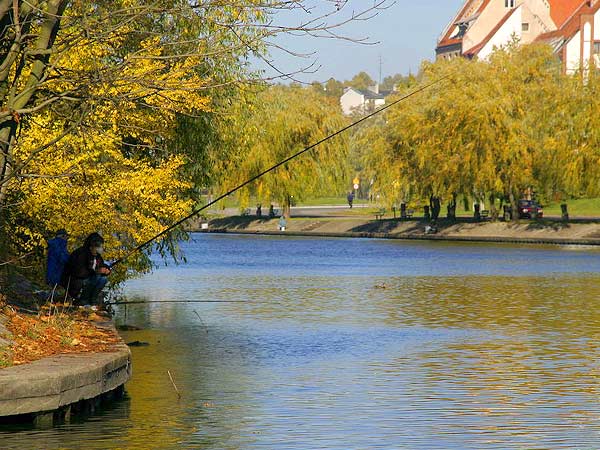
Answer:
x=246 y=212
x=379 y=214
x=409 y=213
x=484 y=214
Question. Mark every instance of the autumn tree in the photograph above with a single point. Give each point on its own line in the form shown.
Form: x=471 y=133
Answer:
x=483 y=133
x=279 y=122
x=334 y=88
x=361 y=80
x=134 y=47
x=94 y=93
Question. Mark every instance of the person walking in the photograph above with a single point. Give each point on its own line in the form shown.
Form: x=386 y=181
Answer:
x=350 y=198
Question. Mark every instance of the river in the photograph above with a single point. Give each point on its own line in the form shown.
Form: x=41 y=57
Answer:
x=356 y=344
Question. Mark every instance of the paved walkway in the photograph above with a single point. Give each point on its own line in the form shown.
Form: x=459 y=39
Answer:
x=543 y=232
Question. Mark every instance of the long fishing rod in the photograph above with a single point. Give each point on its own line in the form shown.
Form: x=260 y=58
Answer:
x=141 y=302
x=295 y=155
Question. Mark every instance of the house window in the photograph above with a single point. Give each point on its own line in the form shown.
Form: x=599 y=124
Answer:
x=524 y=26
x=509 y=3
x=597 y=48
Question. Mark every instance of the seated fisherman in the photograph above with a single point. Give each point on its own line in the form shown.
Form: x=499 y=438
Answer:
x=85 y=271
x=58 y=255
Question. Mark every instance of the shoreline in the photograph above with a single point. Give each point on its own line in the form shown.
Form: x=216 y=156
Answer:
x=52 y=389
x=543 y=232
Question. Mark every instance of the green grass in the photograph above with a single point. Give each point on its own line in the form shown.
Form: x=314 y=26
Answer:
x=577 y=208
x=585 y=207
x=333 y=201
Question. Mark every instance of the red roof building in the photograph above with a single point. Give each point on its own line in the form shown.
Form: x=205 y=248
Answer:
x=482 y=25
x=577 y=39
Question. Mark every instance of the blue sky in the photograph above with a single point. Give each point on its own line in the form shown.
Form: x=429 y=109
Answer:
x=407 y=33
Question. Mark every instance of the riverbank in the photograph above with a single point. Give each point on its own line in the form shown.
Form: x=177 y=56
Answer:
x=81 y=373
x=529 y=232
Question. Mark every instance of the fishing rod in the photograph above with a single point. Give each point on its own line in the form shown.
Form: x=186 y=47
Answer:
x=140 y=302
x=264 y=172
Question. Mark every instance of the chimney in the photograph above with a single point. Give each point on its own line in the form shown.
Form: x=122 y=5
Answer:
x=374 y=88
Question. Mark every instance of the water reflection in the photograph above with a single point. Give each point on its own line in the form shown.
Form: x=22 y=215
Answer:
x=357 y=344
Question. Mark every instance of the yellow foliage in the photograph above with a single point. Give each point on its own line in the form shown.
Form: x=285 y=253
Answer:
x=85 y=183
x=278 y=123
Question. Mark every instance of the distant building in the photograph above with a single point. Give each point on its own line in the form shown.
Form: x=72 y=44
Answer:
x=571 y=27
x=577 y=37
x=362 y=101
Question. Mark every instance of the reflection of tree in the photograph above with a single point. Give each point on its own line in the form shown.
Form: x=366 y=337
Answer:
x=513 y=304
x=517 y=352
x=532 y=370
x=519 y=388
x=205 y=366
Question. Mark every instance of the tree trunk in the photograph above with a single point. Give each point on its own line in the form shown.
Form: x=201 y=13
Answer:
x=564 y=212
x=514 y=205
x=493 y=209
x=477 y=212
x=287 y=207
x=434 y=204
x=7 y=138
x=452 y=208
x=12 y=102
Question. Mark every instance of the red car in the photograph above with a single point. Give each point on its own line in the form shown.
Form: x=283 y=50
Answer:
x=528 y=209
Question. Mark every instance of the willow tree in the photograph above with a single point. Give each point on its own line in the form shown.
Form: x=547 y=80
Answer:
x=93 y=92
x=571 y=167
x=139 y=44
x=279 y=122
x=481 y=133
x=432 y=146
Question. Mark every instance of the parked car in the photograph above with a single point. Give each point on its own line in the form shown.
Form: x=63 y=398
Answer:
x=529 y=209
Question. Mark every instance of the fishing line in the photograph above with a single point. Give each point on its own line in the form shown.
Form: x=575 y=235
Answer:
x=295 y=155
x=142 y=302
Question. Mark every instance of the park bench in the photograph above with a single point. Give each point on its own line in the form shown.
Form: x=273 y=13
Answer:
x=485 y=214
x=409 y=213
x=379 y=214
x=246 y=212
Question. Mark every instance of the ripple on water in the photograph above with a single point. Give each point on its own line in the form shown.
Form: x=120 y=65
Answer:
x=344 y=344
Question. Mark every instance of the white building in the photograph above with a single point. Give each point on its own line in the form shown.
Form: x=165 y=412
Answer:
x=359 y=101
x=482 y=25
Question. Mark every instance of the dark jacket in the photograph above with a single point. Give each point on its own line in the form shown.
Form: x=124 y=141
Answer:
x=57 y=258
x=80 y=265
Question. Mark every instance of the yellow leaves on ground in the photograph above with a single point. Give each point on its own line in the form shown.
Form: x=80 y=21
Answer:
x=36 y=337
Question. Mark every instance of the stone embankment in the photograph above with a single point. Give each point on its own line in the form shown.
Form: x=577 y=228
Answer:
x=526 y=232
x=51 y=389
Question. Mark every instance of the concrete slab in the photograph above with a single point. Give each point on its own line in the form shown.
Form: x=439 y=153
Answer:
x=51 y=383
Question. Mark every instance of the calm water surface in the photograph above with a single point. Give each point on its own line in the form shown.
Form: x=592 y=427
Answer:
x=356 y=344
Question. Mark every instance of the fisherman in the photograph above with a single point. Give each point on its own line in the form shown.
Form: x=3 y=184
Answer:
x=57 y=257
x=85 y=273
